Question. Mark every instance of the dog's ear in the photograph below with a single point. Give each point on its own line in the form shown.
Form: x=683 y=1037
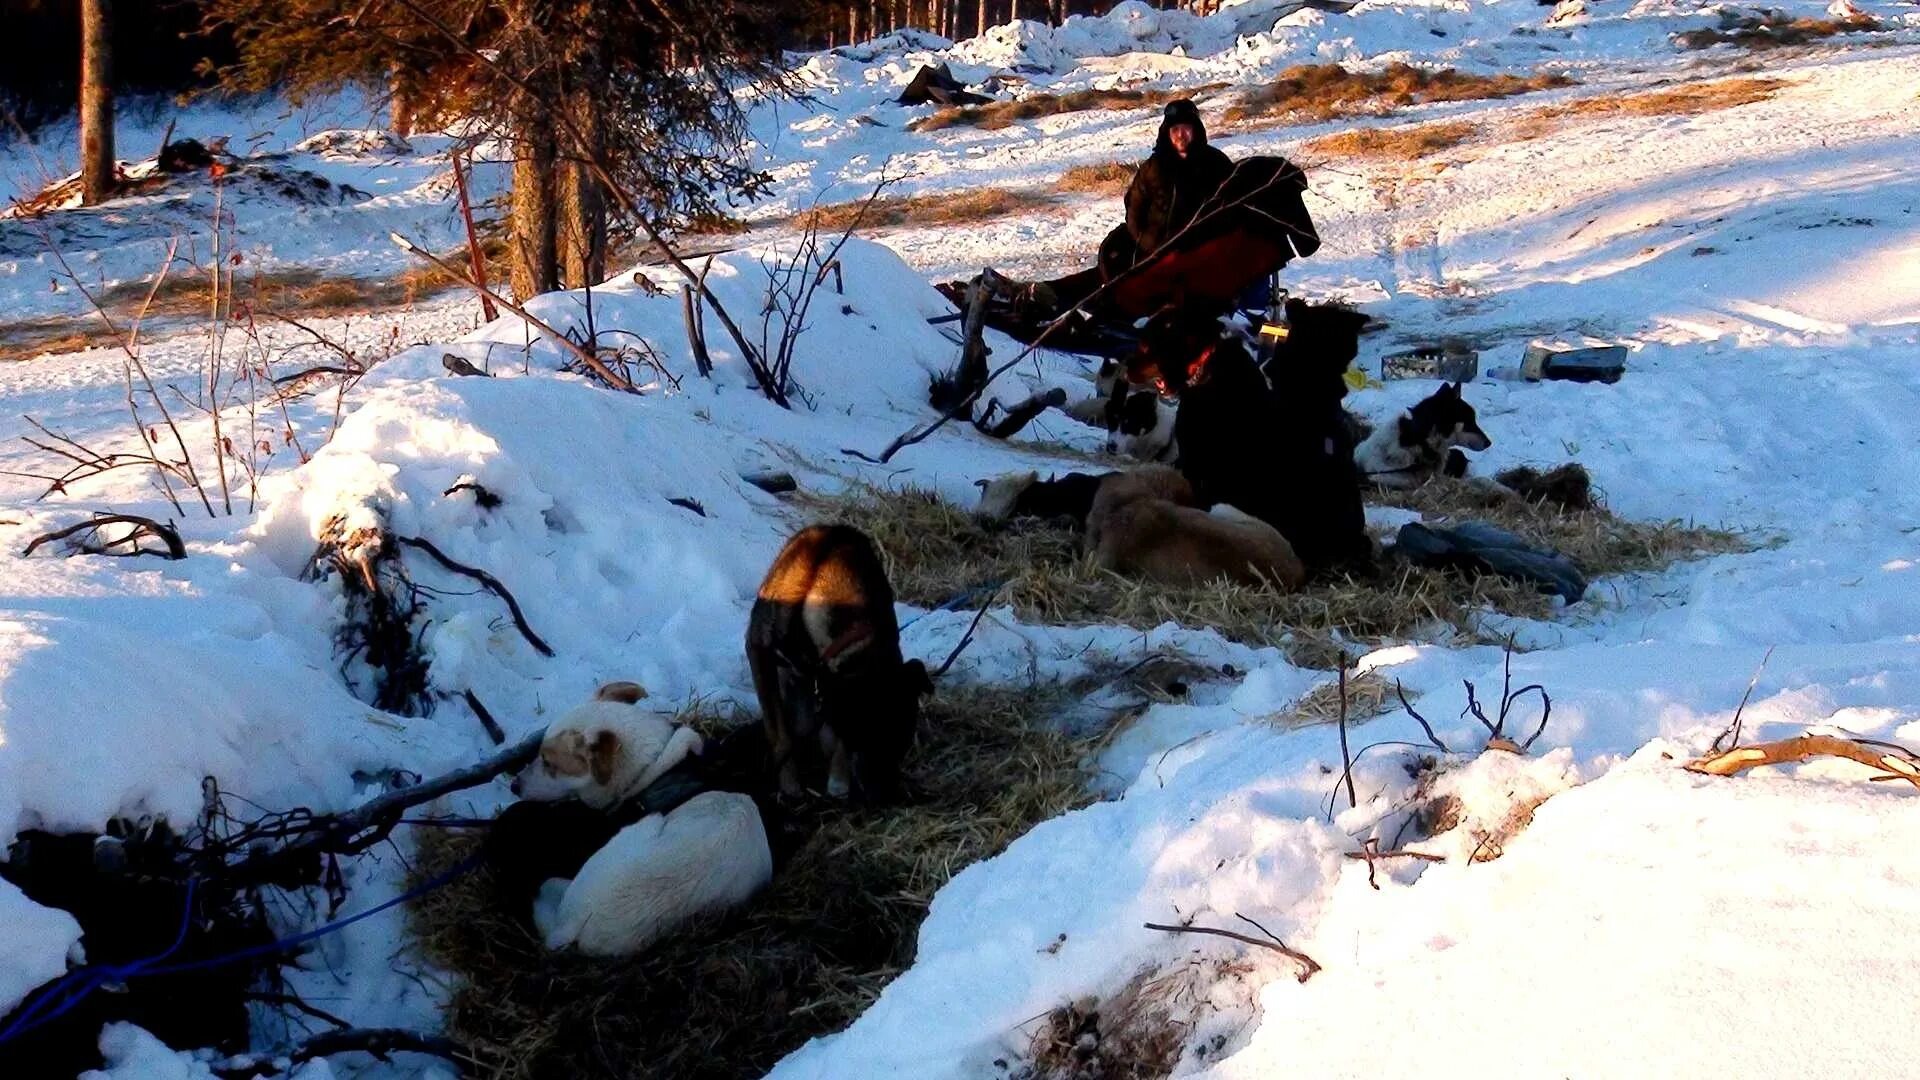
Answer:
x=602 y=755
x=626 y=693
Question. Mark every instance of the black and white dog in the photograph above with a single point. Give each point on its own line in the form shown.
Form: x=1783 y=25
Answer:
x=1422 y=442
x=1138 y=421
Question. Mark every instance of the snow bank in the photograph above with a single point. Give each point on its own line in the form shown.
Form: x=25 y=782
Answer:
x=35 y=947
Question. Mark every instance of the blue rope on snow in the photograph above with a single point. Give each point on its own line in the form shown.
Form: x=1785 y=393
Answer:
x=93 y=976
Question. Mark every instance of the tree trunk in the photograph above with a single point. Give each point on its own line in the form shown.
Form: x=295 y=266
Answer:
x=534 y=259
x=980 y=27
x=582 y=230
x=96 y=101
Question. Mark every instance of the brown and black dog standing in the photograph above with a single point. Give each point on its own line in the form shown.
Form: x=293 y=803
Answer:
x=824 y=649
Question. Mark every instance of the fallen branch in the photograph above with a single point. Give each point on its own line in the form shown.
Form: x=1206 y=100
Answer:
x=1308 y=966
x=486 y=719
x=967 y=638
x=164 y=533
x=360 y=828
x=491 y=583
x=1896 y=763
x=558 y=338
x=378 y=1042
x=1020 y=415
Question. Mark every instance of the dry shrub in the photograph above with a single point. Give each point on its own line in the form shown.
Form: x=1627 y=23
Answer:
x=184 y=295
x=1396 y=144
x=953 y=208
x=1003 y=114
x=937 y=552
x=1104 y=178
x=1772 y=30
x=1137 y=1033
x=1690 y=99
x=1307 y=93
x=729 y=997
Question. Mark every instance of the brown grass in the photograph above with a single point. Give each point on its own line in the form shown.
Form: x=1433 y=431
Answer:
x=1107 y=177
x=1369 y=694
x=955 y=208
x=1139 y=1032
x=1394 y=144
x=1003 y=114
x=730 y=997
x=1689 y=99
x=1309 y=93
x=936 y=552
x=296 y=293
x=1772 y=30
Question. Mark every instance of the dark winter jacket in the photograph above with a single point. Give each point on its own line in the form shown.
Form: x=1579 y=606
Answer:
x=1169 y=190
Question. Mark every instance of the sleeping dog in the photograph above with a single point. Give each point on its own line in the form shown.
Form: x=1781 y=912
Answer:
x=604 y=876
x=1422 y=442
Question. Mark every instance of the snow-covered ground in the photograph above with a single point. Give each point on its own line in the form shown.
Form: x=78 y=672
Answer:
x=1763 y=260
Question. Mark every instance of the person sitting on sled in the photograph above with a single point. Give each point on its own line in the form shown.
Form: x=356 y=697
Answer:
x=1169 y=190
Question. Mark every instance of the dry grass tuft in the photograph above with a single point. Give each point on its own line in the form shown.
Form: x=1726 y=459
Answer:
x=1689 y=99
x=1003 y=114
x=1309 y=93
x=1773 y=30
x=1394 y=144
x=730 y=997
x=1139 y=1032
x=1107 y=177
x=1369 y=694
x=936 y=552
x=955 y=208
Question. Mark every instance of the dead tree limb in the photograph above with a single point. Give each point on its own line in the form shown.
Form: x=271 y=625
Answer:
x=1895 y=763
x=1019 y=416
x=491 y=583
x=358 y=829
x=1308 y=966
x=160 y=531
x=580 y=353
x=486 y=718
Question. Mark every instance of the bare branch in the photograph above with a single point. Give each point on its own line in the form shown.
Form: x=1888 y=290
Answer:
x=1733 y=728
x=164 y=533
x=1308 y=966
x=491 y=583
x=1896 y=763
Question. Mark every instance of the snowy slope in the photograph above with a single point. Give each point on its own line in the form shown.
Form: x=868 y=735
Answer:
x=1771 y=388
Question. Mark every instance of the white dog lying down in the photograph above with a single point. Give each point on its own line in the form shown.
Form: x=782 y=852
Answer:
x=704 y=856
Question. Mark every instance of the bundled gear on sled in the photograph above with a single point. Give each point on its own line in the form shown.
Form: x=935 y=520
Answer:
x=1201 y=231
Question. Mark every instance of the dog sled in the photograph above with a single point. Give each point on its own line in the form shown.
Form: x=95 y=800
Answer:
x=1253 y=227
